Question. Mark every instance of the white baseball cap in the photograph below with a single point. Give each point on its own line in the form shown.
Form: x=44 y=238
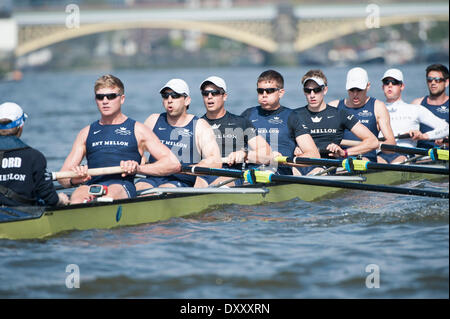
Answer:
x=318 y=80
x=393 y=73
x=217 y=81
x=357 y=78
x=177 y=85
x=13 y=112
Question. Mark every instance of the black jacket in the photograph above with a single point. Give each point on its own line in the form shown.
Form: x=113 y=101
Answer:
x=24 y=171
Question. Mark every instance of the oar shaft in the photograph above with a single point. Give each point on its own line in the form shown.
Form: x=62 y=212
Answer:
x=434 y=153
x=212 y=171
x=404 y=149
x=365 y=187
x=92 y=171
x=265 y=177
x=363 y=165
x=408 y=168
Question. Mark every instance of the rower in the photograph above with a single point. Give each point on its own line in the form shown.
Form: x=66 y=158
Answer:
x=190 y=138
x=23 y=178
x=114 y=140
x=407 y=118
x=368 y=110
x=436 y=101
x=327 y=124
x=235 y=134
x=277 y=123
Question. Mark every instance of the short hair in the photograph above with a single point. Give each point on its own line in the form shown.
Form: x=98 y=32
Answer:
x=271 y=75
x=109 y=81
x=438 y=67
x=315 y=74
x=9 y=131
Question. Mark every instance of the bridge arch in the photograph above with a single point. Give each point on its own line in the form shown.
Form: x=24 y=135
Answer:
x=341 y=29
x=258 y=41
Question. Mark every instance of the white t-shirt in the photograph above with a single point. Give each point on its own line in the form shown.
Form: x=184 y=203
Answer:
x=406 y=117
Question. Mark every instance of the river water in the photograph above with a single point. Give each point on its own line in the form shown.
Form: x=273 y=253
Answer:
x=327 y=249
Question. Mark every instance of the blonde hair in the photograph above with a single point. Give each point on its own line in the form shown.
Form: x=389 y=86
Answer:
x=109 y=81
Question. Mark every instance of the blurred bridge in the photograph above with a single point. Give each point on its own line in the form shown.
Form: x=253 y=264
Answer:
x=281 y=30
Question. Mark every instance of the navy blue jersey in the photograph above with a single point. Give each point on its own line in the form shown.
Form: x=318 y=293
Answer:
x=24 y=171
x=232 y=132
x=326 y=126
x=366 y=115
x=277 y=127
x=107 y=145
x=181 y=141
x=440 y=111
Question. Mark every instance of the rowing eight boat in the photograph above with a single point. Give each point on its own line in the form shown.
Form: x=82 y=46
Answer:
x=46 y=222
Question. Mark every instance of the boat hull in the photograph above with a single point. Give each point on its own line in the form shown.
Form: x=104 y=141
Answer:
x=163 y=207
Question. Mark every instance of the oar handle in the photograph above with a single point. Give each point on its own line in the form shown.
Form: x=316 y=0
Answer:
x=400 y=137
x=434 y=153
x=92 y=172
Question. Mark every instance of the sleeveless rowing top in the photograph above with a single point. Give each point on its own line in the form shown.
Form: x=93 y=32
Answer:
x=180 y=140
x=366 y=115
x=276 y=127
x=107 y=145
x=440 y=111
x=273 y=126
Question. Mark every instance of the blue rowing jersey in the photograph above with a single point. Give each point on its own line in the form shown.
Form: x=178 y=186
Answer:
x=366 y=115
x=180 y=140
x=274 y=127
x=440 y=111
x=107 y=145
x=278 y=129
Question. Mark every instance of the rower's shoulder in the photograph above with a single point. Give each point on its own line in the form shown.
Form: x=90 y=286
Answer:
x=248 y=111
x=151 y=120
x=333 y=103
x=418 y=101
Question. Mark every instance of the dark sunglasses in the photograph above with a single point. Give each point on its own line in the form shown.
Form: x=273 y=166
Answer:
x=315 y=90
x=438 y=80
x=173 y=95
x=392 y=81
x=109 y=96
x=355 y=90
x=267 y=90
x=213 y=92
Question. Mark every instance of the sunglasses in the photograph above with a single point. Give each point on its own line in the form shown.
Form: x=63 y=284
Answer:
x=213 y=92
x=315 y=90
x=109 y=96
x=392 y=81
x=267 y=90
x=438 y=80
x=173 y=95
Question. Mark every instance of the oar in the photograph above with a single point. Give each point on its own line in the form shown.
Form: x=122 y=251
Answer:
x=351 y=164
x=434 y=153
x=254 y=176
x=381 y=139
x=399 y=137
x=92 y=171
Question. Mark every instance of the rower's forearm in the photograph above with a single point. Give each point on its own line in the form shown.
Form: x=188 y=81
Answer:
x=258 y=157
x=211 y=162
x=160 y=168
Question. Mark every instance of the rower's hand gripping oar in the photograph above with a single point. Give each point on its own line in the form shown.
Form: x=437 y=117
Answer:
x=255 y=176
x=353 y=164
x=434 y=153
x=91 y=171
